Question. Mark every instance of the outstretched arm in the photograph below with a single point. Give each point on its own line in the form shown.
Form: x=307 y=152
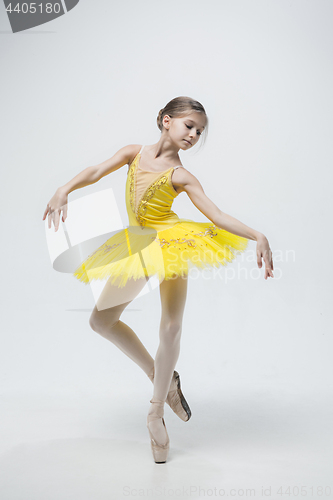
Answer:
x=190 y=184
x=88 y=176
x=93 y=174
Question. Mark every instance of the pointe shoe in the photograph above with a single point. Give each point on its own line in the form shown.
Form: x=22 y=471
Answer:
x=160 y=451
x=175 y=398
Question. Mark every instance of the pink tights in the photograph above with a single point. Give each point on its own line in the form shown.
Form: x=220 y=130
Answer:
x=105 y=321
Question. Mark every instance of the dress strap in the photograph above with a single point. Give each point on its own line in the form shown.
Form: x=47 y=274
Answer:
x=177 y=166
x=141 y=150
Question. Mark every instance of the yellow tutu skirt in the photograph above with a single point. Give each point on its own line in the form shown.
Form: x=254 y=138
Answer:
x=132 y=253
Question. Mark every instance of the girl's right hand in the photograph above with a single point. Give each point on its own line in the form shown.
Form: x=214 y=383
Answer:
x=57 y=203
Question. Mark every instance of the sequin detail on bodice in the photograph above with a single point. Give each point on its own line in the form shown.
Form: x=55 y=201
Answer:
x=149 y=196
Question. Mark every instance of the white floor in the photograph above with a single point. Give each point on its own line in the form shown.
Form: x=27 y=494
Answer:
x=73 y=407
x=242 y=444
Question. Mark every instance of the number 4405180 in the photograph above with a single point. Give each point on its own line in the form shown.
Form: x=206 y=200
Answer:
x=31 y=8
x=295 y=491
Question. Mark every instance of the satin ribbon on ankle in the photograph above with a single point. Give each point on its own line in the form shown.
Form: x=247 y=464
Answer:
x=157 y=401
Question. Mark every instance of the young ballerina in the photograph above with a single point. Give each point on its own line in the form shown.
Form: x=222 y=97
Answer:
x=158 y=242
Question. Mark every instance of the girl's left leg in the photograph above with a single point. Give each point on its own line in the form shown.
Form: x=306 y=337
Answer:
x=173 y=298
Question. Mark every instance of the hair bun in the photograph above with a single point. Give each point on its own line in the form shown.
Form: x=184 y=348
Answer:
x=159 y=119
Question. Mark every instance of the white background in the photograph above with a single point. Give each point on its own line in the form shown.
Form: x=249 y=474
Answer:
x=256 y=355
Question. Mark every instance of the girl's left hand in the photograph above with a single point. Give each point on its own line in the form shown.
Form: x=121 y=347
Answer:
x=264 y=251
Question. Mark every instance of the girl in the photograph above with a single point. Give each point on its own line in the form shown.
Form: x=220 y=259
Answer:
x=158 y=242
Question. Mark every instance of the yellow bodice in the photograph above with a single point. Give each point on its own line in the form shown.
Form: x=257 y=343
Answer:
x=149 y=197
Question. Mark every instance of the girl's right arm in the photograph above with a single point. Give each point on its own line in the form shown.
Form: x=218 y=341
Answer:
x=88 y=176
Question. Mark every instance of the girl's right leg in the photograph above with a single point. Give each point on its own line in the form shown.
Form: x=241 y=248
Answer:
x=105 y=321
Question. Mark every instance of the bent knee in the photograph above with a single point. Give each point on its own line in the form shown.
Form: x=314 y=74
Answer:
x=94 y=323
x=100 y=319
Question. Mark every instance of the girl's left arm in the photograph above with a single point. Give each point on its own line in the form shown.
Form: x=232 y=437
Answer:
x=190 y=184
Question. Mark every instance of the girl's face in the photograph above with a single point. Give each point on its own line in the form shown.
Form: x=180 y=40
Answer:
x=185 y=131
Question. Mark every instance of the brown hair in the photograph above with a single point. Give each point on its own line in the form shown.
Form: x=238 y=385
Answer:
x=182 y=106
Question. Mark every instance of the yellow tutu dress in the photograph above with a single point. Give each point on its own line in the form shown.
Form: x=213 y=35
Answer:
x=157 y=241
